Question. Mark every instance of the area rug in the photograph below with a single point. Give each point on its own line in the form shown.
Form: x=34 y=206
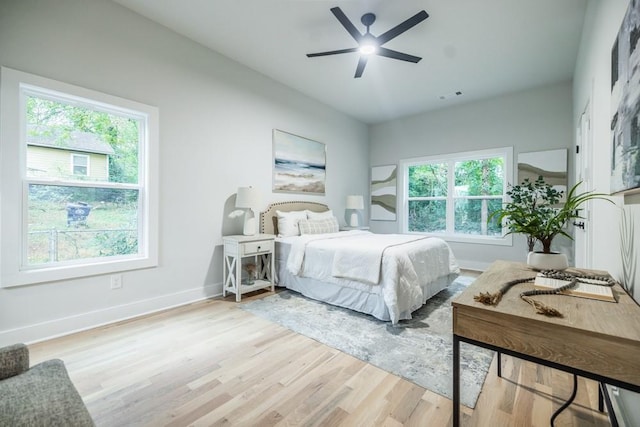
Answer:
x=419 y=350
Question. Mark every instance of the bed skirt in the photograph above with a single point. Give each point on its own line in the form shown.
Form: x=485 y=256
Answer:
x=368 y=302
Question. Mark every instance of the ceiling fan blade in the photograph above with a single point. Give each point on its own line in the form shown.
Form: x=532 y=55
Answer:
x=401 y=28
x=383 y=51
x=348 y=25
x=333 y=52
x=361 y=64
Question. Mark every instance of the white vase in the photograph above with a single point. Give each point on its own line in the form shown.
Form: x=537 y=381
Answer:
x=552 y=261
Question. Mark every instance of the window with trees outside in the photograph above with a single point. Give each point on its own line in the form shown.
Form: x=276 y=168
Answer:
x=93 y=216
x=452 y=196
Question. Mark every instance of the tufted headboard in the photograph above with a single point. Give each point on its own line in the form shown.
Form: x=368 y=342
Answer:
x=269 y=220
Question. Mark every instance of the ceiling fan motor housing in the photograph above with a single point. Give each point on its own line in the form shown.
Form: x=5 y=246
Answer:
x=368 y=19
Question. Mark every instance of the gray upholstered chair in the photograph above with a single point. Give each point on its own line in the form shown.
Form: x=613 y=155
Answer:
x=42 y=395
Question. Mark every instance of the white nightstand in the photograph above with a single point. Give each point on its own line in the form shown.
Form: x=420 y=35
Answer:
x=259 y=247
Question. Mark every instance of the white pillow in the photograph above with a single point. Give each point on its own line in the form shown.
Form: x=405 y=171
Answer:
x=319 y=226
x=319 y=215
x=288 y=222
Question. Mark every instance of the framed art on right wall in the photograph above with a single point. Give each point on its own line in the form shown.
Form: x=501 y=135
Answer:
x=625 y=105
x=383 y=193
x=549 y=164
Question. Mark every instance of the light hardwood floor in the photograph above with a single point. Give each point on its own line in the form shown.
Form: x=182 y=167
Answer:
x=213 y=364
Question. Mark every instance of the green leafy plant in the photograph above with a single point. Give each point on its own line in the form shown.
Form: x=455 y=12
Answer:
x=537 y=210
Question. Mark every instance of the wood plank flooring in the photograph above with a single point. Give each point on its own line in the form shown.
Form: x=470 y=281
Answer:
x=213 y=364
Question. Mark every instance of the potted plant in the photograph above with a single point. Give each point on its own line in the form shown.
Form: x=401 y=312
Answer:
x=538 y=211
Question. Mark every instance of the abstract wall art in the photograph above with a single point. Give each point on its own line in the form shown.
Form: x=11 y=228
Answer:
x=383 y=193
x=625 y=104
x=550 y=165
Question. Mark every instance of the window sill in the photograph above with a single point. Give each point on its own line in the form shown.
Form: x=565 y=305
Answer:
x=478 y=240
x=67 y=272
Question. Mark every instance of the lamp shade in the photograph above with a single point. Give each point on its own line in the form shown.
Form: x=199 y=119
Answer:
x=247 y=197
x=355 y=202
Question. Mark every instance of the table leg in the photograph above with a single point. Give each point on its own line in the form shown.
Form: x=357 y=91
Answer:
x=272 y=271
x=499 y=365
x=238 y=278
x=224 y=276
x=601 y=387
x=456 y=381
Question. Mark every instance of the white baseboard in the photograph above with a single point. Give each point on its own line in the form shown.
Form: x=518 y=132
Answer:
x=81 y=322
x=84 y=321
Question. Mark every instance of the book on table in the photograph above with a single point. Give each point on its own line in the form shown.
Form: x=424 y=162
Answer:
x=594 y=289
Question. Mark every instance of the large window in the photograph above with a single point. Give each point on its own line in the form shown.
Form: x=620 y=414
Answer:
x=453 y=195
x=79 y=178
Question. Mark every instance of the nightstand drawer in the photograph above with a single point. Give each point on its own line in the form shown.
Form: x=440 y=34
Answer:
x=251 y=248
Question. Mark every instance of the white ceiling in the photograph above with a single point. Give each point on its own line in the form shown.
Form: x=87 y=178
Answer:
x=482 y=48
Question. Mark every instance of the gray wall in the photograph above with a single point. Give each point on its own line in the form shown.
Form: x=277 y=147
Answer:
x=216 y=119
x=592 y=84
x=533 y=120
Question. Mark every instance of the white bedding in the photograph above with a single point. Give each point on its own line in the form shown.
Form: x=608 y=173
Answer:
x=406 y=263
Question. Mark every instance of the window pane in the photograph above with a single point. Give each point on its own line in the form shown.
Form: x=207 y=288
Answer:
x=479 y=177
x=80 y=170
x=69 y=223
x=471 y=216
x=429 y=180
x=428 y=216
x=80 y=160
x=55 y=129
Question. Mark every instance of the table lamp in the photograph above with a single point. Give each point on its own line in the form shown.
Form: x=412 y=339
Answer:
x=355 y=203
x=247 y=198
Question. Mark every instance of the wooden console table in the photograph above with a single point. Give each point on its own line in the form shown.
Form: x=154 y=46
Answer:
x=598 y=340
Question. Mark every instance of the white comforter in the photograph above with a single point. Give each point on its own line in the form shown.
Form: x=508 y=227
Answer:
x=396 y=264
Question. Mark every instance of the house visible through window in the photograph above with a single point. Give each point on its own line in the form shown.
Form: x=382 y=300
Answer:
x=80 y=164
x=88 y=182
x=454 y=195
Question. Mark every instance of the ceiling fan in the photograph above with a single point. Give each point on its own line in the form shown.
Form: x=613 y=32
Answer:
x=368 y=44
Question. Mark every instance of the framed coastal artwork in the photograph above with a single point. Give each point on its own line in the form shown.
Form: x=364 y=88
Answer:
x=383 y=193
x=625 y=104
x=299 y=164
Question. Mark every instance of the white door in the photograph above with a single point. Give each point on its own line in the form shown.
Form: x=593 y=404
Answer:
x=582 y=233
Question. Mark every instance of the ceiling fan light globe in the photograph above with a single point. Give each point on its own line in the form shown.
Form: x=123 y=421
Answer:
x=368 y=49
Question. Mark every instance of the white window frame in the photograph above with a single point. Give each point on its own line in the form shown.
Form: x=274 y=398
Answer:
x=73 y=164
x=452 y=158
x=14 y=183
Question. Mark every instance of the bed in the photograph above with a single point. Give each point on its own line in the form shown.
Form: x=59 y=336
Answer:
x=386 y=276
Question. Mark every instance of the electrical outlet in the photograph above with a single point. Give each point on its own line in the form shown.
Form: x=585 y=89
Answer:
x=116 y=281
